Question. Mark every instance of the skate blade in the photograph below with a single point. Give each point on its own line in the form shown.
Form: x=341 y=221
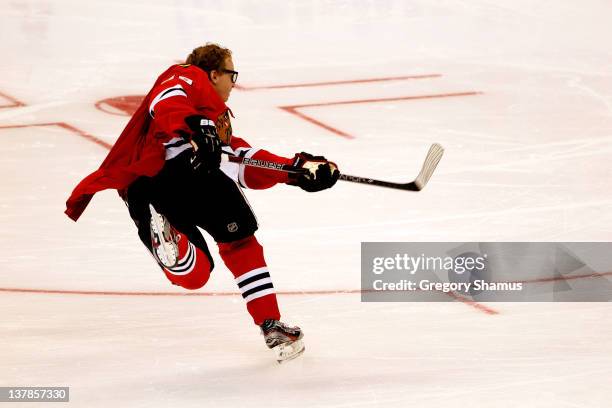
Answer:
x=288 y=351
x=166 y=252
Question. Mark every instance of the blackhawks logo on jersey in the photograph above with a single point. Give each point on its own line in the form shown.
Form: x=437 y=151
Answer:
x=224 y=127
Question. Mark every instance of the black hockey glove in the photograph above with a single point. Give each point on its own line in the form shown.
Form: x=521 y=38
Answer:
x=206 y=154
x=320 y=173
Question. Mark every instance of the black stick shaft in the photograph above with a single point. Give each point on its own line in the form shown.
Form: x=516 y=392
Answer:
x=380 y=183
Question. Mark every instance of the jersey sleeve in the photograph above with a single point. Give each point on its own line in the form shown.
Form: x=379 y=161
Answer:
x=171 y=102
x=253 y=177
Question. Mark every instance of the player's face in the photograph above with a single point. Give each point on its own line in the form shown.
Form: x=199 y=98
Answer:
x=222 y=79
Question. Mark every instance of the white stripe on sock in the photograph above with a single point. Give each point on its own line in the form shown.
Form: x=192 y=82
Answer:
x=259 y=294
x=255 y=284
x=251 y=273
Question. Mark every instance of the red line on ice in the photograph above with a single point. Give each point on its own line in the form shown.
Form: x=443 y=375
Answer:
x=472 y=303
x=466 y=301
x=393 y=99
x=333 y=83
x=128 y=293
x=73 y=129
x=293 y=109
x=564 y=278
x=15 y=103
x=478 y=306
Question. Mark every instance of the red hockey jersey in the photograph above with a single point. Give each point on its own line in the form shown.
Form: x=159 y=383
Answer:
x=147 y=140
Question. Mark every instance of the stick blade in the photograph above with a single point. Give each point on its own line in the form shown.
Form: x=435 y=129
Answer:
x=429 y=166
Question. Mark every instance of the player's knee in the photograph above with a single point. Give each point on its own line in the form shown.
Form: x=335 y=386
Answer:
x=194 y=274
x=238 y=244
x=195 y=282
x=192 y=281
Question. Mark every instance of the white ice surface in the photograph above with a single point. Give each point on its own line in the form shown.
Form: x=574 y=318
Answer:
x=527 y=159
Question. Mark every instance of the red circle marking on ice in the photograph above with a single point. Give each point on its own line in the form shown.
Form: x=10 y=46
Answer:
x=120 y=105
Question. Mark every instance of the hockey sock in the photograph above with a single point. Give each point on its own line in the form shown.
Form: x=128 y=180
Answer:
x=245 y=259
x=193 y=267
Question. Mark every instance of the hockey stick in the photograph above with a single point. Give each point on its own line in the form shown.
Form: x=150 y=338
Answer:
x=429 y=166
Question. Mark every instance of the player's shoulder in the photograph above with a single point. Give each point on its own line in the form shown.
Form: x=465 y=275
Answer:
x=188 y=69
x=185 y=73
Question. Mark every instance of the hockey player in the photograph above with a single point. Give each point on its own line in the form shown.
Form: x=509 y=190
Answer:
x=167 y=167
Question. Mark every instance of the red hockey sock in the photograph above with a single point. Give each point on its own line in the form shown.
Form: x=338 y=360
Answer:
x=245 y=260
x=193 y=269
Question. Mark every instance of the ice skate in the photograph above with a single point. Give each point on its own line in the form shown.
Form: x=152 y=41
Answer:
x=164 y=240
x=286 y=341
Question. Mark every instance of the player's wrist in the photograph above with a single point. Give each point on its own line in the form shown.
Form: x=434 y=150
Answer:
x=317 y=174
